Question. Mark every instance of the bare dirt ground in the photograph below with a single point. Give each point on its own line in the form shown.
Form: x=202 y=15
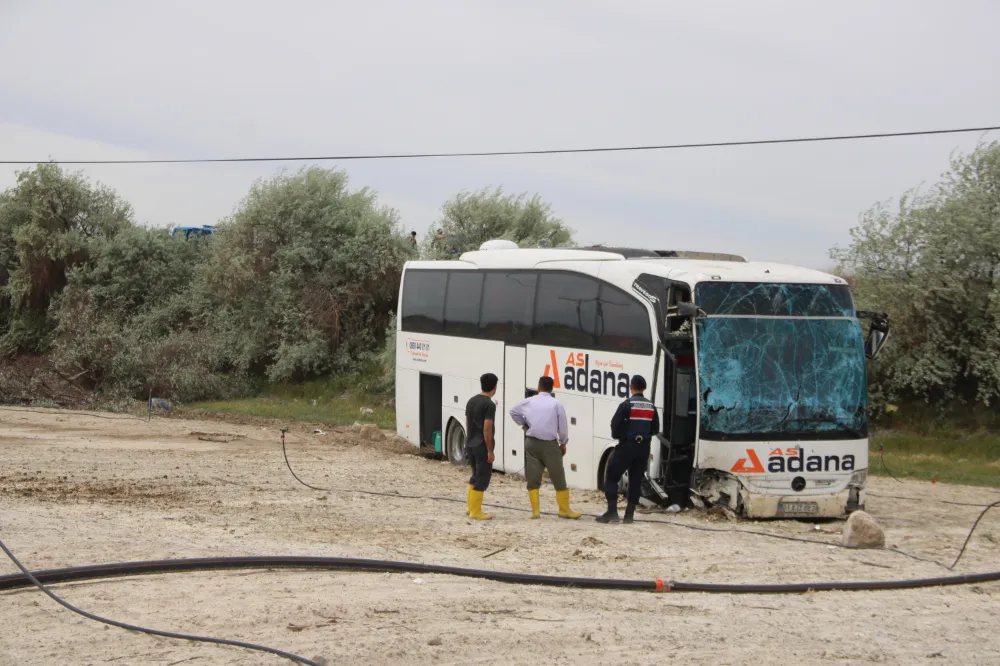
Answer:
x=85 y=489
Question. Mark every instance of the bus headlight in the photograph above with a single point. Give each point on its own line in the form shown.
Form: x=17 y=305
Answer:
x=859 y=479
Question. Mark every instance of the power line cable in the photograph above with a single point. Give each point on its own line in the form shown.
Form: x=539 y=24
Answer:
x=504 y=153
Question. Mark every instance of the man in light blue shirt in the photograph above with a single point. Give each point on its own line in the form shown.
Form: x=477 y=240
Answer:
x=546 y=435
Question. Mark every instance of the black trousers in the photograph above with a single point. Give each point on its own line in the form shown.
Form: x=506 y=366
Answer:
x=482 y=470
x=631 y=457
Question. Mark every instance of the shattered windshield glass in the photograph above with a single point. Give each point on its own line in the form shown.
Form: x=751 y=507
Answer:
x=775 y=300
x=780 y=378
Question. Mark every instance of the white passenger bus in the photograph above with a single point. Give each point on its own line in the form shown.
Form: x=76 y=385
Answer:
x=757 y=369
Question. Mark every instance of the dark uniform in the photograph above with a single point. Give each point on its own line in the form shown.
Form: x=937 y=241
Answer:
x=633 y=425
x=479 y=410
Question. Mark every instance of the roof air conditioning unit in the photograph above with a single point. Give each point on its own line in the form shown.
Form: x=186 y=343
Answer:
x=498 y=245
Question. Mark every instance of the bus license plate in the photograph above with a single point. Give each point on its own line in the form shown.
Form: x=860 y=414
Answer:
x=798 y=507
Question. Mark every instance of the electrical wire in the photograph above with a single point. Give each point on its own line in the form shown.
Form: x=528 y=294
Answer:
x=969 y=537
x=881 y=457
x=113 y=416
x=926 y=499
x=699 y=528
x=501 y=153
x=27 y=579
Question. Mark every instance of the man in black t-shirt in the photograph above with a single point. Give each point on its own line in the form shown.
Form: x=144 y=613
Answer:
x=479 y=416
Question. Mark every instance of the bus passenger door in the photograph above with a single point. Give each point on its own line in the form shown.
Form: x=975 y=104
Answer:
x=512 y=455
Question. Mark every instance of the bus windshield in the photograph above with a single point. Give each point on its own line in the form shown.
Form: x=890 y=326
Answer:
x=762 y=299
x=765 y=376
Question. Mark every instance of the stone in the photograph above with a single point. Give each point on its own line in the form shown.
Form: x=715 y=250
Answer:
x=435 y=641
x=861 y=531
x=371 y=433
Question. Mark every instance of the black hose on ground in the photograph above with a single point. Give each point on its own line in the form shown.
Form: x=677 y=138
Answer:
x=77 y=574
x=28 y=579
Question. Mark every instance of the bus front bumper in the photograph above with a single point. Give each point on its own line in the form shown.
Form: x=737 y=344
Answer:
x=774 y=498
x=836 y=505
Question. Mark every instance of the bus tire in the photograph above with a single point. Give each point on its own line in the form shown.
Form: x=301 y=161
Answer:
x=455 y=449
x=602 y=474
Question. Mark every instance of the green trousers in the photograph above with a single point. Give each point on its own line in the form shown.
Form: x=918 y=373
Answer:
x=540 y=454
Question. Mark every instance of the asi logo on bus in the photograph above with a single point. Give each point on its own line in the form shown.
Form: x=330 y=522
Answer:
x=577 y=375
x=792 y=460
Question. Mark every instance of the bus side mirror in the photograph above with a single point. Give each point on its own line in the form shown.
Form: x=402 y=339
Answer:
x=878 y=333
x=874 y=342
x=685 y=309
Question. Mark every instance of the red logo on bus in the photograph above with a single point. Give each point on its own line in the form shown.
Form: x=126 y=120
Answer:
x=551 y=370
x=741 y=466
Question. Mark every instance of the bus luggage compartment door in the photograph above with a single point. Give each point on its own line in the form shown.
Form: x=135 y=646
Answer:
x=511 y=458
x=581 y=472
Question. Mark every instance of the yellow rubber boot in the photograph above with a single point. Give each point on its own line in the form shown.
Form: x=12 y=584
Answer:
x=468 y=500
x=476 y=507
x=536 y=512
x=562 y=498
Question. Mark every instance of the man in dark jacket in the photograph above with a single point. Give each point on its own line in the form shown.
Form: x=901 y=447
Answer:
x=634 y=425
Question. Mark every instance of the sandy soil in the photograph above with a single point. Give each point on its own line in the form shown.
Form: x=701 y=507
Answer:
x=81 y=489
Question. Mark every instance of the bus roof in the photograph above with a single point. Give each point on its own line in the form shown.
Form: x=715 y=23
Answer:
x=689 y=267
x=693 y=271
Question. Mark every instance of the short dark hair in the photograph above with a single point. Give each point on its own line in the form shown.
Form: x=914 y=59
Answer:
x=638 y=383
x=545 y=383
x=488 y=382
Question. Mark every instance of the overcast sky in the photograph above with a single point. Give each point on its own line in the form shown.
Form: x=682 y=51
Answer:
x=109 y=79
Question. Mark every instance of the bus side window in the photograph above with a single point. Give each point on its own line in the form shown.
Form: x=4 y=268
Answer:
x=678 y=295
x=461 y=308
x=565 y=311
x=508 y=306
x=622 y=322
x=423 y=301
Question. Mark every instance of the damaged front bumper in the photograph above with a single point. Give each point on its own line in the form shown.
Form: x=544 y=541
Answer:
x=757 y=505
x=715 y=488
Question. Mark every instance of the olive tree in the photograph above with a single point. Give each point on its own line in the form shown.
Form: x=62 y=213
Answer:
x=471 y=218
x=933 y=262
x=302 y=279
x=126 y=322
x=50 y=222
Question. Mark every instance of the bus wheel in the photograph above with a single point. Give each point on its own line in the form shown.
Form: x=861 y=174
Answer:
x=622 y=483
x=456 y=445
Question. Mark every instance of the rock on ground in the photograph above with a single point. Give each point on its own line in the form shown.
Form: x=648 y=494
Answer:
x=861 y=531
x=371 y=433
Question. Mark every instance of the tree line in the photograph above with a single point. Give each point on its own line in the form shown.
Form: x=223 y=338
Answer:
x=301 y=282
